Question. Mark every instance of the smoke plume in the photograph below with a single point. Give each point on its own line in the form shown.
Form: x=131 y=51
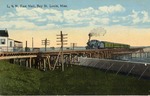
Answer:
x=97 y=32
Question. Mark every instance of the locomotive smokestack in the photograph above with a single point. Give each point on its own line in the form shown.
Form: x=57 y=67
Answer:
x=90 y=35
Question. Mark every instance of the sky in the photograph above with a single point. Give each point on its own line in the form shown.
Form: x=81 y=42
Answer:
x=125 y=21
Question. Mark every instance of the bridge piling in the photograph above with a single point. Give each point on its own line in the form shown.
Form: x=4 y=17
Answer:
x=30 y=61
x=26 y=62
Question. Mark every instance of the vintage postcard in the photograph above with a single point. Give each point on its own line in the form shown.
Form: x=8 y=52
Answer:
x=74 y=47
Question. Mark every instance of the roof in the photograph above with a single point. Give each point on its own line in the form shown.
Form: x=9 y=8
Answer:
x=17 y=41
x=4 y=33
x=10 y=39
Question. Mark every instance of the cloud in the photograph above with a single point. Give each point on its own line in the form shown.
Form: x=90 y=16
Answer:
x=38 y=18
x=135 y=17
x=26 y=25
x=115 y=21
x=72 y=16
x=89 y=11
x=92 y=16
x=139 y=17
x=32 y=19
x=87 y=16
x=17 y=25
x=145 y=17
x=49 y=26
x=112 y=9
x=105 y=20
x=38 y=13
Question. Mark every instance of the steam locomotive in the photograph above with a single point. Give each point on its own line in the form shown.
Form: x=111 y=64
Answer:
x=96 y=44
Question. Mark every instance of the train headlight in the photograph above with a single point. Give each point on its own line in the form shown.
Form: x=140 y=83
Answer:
x=145 y=64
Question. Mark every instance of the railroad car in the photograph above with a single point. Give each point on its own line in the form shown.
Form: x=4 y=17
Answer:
x=96 y=44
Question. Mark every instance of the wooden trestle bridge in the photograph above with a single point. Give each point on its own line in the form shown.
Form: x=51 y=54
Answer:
x=52 y=60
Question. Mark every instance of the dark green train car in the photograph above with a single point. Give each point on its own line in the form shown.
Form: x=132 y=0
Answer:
x=114 y=45
x=96 y=44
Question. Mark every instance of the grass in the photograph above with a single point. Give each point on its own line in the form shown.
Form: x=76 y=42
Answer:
x=15 y=80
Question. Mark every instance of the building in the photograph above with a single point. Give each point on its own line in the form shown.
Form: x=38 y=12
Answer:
x=9 y=45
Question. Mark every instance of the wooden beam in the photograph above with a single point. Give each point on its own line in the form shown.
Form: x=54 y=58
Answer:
x=13 y=57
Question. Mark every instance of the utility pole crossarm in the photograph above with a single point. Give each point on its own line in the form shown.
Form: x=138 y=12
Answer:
x=62 y=42
x=45 y=43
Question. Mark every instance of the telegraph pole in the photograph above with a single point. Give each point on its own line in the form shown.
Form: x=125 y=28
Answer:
x=73 y=45
x=62 y=40
x=45 y=43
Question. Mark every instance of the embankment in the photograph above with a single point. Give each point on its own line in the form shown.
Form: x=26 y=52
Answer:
x=137 y=68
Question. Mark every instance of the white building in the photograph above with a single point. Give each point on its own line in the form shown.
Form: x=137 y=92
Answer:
x=9 y=45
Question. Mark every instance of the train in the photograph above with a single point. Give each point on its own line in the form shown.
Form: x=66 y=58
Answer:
x=96 y=44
